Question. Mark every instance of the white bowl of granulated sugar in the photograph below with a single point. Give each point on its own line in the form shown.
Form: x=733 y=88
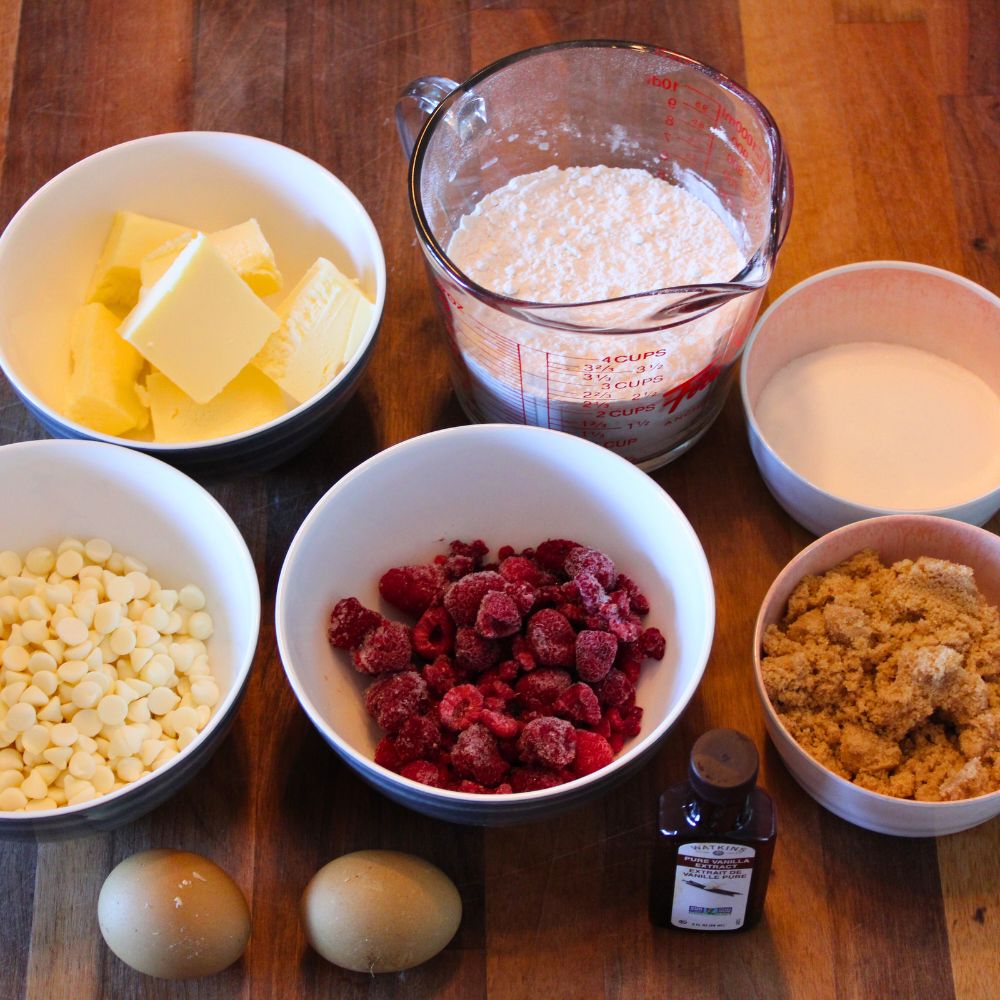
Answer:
x=874 y=389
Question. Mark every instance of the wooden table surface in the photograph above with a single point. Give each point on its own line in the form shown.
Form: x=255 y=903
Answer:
x=891 y=114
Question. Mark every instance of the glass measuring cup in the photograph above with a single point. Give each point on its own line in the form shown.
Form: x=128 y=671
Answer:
x=643 y=374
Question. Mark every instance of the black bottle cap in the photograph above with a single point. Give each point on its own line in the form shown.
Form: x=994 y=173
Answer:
x=723 y=766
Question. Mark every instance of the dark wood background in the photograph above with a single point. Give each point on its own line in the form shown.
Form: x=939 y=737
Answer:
x=891 y=112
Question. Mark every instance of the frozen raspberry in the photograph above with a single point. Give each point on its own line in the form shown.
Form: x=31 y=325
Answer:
x=392 y=700
x=493 y=686
x=548 y=741
x=536 y=691
x=624 y=626
x=470 y=786
x=440 y=675
x=592 y=594
x=575 y=614
x=460 y=707
x=383 y=650
x=629 y=661
x=501 y=725
x=473 y=653
x=549 y=597
x=531 y=779
x=592 y=753
x=386 y=755
x=418 y=739
x=552 y=638
x=434 y=634
x=471 y=550
x=551 y=555
x=653 y=643
x=637 y=600
x=423 y=771
x=615 y=690
x=506 y=671
x=595 y=654
x=522 y=594
x=462 y=598
x=498 y=616
x=350 y=622
x=626 y=720
x=584 y=560
x=476 y=756
x=517 y=569
x=579 y=704
x=412 y=589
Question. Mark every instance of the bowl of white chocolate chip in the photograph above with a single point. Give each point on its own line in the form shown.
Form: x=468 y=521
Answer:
x=129 y=614
x=209 y=298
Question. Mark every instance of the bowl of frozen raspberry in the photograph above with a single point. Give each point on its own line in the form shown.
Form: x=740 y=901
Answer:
x=492 y=624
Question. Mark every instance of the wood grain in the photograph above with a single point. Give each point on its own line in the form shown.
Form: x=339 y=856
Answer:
x=890 y=110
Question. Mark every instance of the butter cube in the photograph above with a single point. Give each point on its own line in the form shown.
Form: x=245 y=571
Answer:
x=250 y=255
x=154 y=265
x=243 y=247
x=359 y=326
x=116 y=278
x=102 y=384
x=251 y=399
x=199 y=324
x=311 y=346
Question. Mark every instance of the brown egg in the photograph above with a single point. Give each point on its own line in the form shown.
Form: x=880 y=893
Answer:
x=380 y=911
x=173 y=914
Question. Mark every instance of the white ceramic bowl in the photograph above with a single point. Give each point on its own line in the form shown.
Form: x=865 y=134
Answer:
x=900 y=536
x=505 y=484
x=208 y=180
x=888 y=301
x=58 y=489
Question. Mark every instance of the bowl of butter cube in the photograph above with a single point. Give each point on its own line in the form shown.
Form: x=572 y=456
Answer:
x=208 y=298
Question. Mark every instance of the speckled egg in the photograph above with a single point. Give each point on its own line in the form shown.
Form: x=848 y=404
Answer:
x=380 y=911
x=173 y=914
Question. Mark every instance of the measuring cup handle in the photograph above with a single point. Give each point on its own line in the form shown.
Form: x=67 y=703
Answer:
x=416 y=104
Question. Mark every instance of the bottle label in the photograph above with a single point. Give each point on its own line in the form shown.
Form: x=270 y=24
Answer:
x=711 y=886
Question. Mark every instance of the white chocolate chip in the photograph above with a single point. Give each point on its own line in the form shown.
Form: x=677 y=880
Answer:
x=200 y=625
x=34 y=787
x=107 y=618
x=21 y=717
x=65 y=734
x=12 y=799
x=40 y=561
x=98 y=550
x=82 y=765
x=104 y=674
x=69 y=563
x=10 y=563
x=140 y=583
x=88 y=722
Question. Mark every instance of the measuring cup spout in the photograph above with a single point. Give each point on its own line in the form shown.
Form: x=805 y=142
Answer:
x=416 y=104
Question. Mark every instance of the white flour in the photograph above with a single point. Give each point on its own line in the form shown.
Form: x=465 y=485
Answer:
x=584 y=235
x=590 y=233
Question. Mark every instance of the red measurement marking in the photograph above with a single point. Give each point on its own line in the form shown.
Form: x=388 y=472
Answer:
x=708 y=97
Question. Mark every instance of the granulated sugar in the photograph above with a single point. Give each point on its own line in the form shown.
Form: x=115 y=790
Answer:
x=585 y=234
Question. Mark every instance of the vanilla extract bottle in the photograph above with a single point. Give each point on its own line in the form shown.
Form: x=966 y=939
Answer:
x=715 y=840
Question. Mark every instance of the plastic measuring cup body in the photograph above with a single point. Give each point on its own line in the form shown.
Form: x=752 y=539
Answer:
x=643 y=374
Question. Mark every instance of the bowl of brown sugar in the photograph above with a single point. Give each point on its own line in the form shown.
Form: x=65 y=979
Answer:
x=877 y=661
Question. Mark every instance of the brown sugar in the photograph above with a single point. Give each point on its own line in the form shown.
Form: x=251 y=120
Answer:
x=890 y=676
